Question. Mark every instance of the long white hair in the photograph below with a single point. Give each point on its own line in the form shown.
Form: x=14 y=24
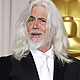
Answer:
x=54 y=25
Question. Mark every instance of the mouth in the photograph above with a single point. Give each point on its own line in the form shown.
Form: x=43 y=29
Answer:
x=36 y=35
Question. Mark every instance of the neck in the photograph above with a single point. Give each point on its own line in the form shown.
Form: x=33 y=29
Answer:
x=46 y=47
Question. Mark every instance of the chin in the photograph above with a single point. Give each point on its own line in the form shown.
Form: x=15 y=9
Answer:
x=34 y=44
x=36 y=40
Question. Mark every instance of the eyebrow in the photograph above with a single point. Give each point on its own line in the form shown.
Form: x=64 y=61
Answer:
x=32 y=17
x=38 y=18
x=42 y=18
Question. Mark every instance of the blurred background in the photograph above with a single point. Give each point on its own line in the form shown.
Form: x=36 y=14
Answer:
x=70 y=11
x=10 y=10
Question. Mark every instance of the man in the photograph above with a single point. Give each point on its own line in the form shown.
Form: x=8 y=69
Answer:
x=41 y=46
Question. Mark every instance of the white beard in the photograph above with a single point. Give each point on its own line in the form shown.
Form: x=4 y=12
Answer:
x=41 y=44
x=35 y=45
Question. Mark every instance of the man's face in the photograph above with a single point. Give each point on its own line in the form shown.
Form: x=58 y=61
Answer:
x=36 y=25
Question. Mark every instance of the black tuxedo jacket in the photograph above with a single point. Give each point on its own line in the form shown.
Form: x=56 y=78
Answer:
x=25 y=69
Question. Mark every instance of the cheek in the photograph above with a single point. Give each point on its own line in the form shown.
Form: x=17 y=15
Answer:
x=44 y=29
x=29 y=28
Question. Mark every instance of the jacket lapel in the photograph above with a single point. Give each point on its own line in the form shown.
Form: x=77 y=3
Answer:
x=59 y=69
x=29 y=68
x=31 y=73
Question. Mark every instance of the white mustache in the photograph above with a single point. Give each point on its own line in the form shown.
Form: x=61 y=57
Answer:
x=36 y=31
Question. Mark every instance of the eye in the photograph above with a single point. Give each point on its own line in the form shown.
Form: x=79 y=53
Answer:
x=43 y=21
x=30 y=19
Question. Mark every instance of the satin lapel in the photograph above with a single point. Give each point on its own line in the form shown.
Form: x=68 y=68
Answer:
x=29 y=68
x=59 y=69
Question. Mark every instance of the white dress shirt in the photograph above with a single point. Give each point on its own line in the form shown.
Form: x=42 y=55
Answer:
x=36 y=54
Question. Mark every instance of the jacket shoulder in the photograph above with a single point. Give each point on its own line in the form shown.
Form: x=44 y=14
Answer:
x=5 y=67
x=72 y=71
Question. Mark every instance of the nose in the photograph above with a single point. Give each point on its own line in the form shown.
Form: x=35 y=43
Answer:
x=36 y=24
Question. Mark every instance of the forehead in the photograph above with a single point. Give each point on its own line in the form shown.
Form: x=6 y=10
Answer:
x=38 y=11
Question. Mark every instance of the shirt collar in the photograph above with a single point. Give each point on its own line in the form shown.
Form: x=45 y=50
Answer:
x=37 y=53
x=50 y=52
